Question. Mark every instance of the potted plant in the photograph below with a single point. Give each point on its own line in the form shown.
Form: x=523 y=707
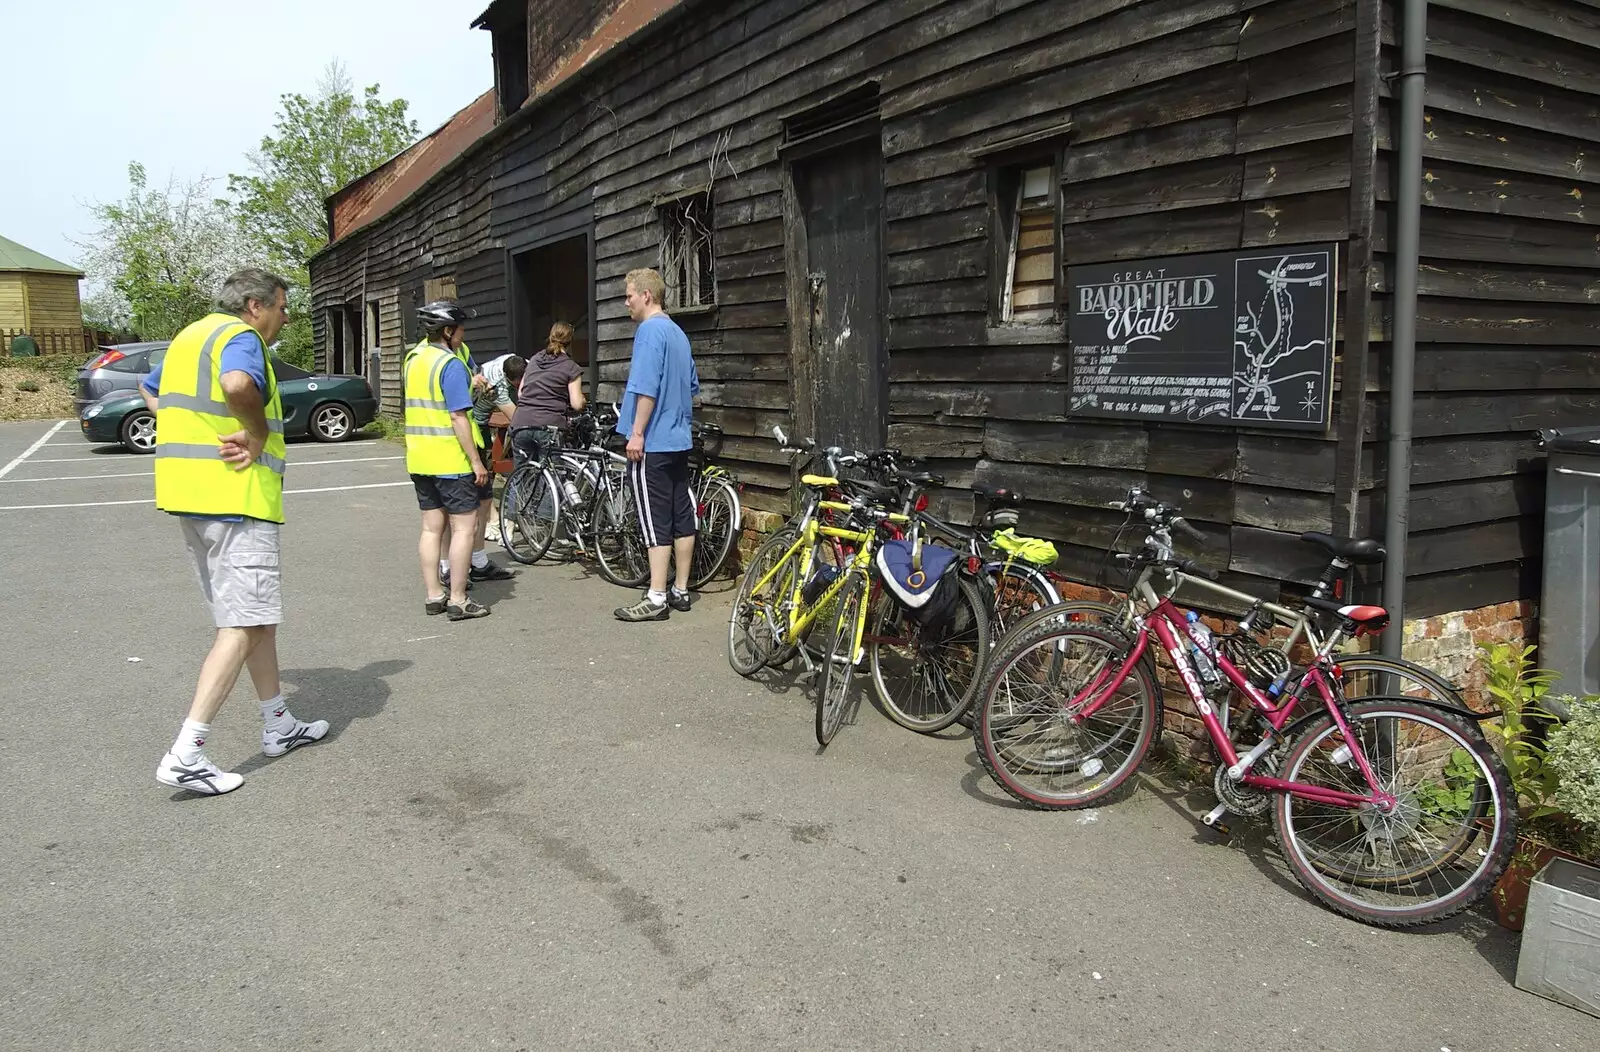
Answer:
x=1547 y=829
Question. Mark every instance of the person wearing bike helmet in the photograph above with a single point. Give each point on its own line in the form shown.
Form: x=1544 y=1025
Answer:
x=444 y=455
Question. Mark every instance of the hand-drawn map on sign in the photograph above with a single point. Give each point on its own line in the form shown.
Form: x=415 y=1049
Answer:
x=1224 y=338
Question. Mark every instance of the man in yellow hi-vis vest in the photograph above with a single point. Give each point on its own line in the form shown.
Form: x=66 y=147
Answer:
x=444 y=456
x=219 y=463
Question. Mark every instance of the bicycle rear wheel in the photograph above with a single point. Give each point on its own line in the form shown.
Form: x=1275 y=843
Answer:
x=619 y=544
x=530 y=513
x=757 y=621
x=1031 y=735
x=1437 y=851
x=928 y=680
x=717 y=528
x=839 y=661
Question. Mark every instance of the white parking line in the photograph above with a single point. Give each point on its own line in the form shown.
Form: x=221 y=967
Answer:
x=116 y=503
x=26 y=453
x=147 y=474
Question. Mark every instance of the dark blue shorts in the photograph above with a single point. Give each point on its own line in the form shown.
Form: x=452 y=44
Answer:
x=661 y=490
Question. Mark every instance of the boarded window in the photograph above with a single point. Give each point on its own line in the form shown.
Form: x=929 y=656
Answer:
x=1029 y=262
x=435 y=289
x=688 y=265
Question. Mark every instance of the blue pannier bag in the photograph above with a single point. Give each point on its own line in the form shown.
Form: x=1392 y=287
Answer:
x=922 y=580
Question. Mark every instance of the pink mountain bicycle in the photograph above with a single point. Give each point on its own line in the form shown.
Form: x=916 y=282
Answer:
x=1392 y=810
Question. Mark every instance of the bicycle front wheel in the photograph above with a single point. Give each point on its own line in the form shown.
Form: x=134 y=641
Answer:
x=530 y=513
x=839 y=661
x=716 y=530
x=1036 y=734
x=1439 y=848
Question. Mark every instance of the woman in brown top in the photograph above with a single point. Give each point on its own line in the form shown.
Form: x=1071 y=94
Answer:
x=551 y=387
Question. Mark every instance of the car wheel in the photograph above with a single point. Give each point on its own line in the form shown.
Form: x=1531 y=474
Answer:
x=139 y=431
x=332 y=422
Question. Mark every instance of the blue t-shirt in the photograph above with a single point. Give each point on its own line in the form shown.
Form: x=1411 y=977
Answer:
x=663 y=369
x=242 y=354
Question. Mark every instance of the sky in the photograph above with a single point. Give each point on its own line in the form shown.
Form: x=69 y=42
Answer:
x=187 y=87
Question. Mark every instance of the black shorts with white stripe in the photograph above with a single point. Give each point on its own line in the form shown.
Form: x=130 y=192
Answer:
x=661 y=490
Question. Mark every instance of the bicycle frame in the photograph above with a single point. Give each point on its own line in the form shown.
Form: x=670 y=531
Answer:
x=801 y=616
x=1167 y=622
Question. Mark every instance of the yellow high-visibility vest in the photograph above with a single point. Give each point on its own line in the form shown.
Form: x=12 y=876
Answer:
x=431 y=444
x=193 y=414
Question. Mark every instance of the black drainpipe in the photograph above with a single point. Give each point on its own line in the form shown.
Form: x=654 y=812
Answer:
x=1403 y=360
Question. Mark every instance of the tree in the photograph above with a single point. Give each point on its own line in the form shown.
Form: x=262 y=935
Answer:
x=318 y=145
x=160 y=255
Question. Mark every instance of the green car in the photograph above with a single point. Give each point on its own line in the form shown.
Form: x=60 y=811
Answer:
x=328 y=408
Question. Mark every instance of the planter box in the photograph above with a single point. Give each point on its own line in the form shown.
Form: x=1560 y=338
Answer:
x=1560 y=956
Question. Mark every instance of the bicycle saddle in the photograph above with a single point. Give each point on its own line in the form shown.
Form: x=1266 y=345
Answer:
x=921 y=478
x=818 y=481
x=1363 y=618
x=999 y=495
x=1352 y=549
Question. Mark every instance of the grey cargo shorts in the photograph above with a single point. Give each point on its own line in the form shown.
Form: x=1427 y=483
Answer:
x=237 y=563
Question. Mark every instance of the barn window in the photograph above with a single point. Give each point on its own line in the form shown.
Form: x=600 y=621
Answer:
x=1027 y=260
x=511 y=66
x=688 y=265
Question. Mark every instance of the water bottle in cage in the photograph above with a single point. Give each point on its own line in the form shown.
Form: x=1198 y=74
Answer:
x=571 y=490
x=1202 y=649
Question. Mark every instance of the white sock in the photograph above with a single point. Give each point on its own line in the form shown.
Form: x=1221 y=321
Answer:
x=480 y=559
x=679 y=591
x=191 y=741
x=444 y=567
x=658 y=598
x=275 y=715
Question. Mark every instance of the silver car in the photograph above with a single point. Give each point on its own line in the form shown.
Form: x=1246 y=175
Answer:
x=117 y=368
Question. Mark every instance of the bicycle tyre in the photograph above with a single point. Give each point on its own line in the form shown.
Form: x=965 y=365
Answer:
x=1439 y=688
x=750 y=651
x=890 y=613
x=619 y=545
x=839 y=661
x=1499 y=809
x=996 y=687
x=722 y=508
x=1014 y=593
x=525 y=493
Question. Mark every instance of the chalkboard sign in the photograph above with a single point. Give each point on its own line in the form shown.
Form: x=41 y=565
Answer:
x=1243 y=338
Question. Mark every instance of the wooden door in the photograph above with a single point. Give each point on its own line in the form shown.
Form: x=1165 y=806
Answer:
x=840 y=197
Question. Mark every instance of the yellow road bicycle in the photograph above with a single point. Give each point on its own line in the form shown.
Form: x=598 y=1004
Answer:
x=789 y=587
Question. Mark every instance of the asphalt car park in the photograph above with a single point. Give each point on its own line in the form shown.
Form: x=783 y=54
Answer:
x=546 y=829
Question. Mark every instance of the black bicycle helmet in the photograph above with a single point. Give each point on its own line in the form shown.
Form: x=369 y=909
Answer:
x=442 y=313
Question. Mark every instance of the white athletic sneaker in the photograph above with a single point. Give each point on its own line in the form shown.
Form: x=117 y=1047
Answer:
x=202 y=776
x=276 y=744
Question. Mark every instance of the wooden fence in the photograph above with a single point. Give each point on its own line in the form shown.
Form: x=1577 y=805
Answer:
x=80 y=343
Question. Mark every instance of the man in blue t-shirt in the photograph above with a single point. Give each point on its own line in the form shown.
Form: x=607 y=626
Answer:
x=655 y=414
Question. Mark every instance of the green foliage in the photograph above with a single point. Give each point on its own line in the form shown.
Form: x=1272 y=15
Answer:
x=1520 y=689
x=28 y=385
x=160 y=255
x=318 y=145
x=1452 y=797
x=1574 y=754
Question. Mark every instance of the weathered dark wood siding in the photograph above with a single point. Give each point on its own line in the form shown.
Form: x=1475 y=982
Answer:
x=1196 y=125
x=1508 y=321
